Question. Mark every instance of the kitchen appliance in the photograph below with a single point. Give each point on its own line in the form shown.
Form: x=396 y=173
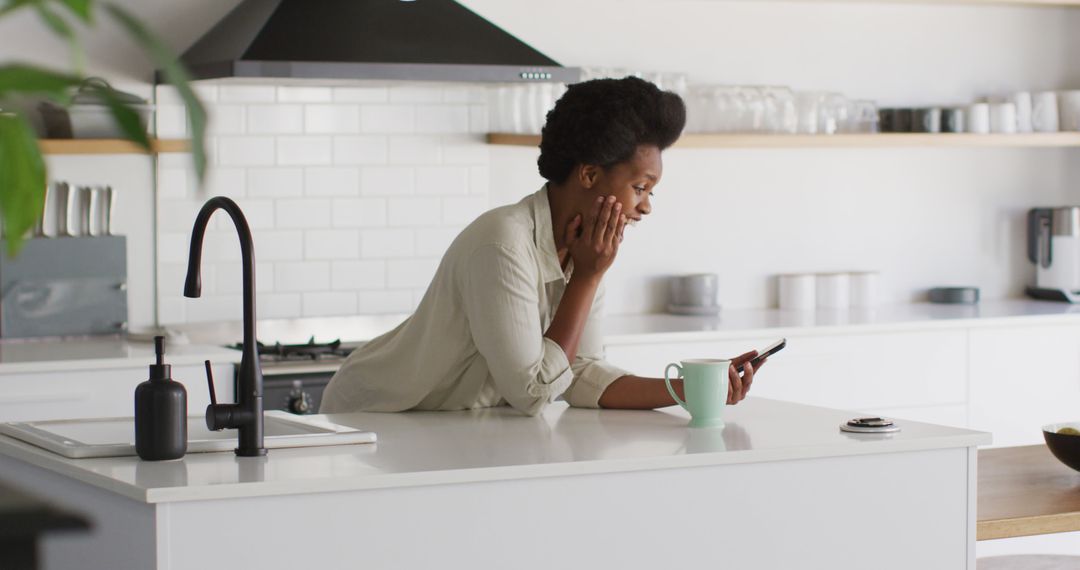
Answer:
x=1054 y=248
x=433 y=40
x=295 y=375
x=90 y=116
x=64 y=286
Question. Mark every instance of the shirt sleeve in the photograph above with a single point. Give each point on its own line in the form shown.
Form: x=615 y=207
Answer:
x=592 y=374
x=501 y=300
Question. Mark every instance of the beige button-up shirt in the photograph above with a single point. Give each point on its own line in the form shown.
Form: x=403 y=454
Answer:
x=477 y=338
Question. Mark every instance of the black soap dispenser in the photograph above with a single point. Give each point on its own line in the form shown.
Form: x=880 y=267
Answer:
x=160 y=412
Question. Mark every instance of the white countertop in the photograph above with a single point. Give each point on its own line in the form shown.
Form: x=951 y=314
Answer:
x=96 y=353
x=433 y=448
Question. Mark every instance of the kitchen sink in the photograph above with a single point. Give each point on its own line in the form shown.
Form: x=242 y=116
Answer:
x=115 y=437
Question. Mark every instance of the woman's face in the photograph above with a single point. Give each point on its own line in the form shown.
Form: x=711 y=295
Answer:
x=631 y=182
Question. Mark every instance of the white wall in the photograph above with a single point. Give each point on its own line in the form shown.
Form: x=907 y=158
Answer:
x=921 y=216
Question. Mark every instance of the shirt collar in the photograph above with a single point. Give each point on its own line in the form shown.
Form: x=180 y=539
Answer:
x=550 y=269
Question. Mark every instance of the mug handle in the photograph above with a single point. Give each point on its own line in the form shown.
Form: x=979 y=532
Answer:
x=667 y=382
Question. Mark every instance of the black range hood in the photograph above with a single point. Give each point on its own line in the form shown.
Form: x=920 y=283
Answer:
x=421 y=40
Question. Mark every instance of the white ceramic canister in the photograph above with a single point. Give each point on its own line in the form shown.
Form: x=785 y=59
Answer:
x=1044 y=112
x=833 y=290
x=978 y=118
x=864 y=288
x=797 y=292
x=1069 y=110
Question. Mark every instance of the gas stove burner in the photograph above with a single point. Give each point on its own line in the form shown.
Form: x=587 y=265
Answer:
x=310 y=350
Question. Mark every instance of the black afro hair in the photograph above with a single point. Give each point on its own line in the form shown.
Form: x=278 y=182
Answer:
x=603 y=121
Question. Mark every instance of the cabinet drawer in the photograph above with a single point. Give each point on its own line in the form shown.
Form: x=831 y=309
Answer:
x=857 y=372
x=94 y=393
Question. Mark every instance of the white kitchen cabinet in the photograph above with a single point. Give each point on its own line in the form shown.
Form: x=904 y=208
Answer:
x=1023 y=377
x=98 y=393
x=916 y=370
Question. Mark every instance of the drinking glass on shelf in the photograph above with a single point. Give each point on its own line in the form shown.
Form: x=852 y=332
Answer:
x=751 y=107
x=862 y=117
x=780 y=115
x=832 y=112
x=807 y=105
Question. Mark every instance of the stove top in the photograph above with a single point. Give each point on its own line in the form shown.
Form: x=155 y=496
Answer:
x=305 y=353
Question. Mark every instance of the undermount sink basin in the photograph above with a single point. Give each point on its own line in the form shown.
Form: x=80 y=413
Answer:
x=115 y=437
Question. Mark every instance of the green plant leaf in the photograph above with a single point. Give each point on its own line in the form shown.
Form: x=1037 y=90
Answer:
x=176 y=75
x=22 y=179
x=81 y=8
x=55 y=22
x=26 y=79
x=126 y=117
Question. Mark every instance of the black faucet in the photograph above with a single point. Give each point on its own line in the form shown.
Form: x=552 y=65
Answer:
x=246 y=415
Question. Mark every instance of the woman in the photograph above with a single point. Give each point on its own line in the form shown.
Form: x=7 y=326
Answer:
x=512 y=314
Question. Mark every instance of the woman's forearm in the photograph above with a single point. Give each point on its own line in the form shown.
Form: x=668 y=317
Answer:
x=572 y=313
x=637 y=393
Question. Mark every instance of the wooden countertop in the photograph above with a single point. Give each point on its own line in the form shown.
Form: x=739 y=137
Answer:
x=1025 y=491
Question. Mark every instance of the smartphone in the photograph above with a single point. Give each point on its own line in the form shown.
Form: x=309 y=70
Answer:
x=765 y=353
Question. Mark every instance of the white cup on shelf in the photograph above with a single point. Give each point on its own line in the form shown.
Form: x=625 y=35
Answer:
x=1003 y=118
x=1022 y=100
x=978 y=118
x=833 y=290
x=864 y=288
x=1044 y=112
x=796 y=292
x=1069 y=110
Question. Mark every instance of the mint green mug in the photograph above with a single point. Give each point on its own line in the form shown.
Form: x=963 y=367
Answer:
x=705 y=383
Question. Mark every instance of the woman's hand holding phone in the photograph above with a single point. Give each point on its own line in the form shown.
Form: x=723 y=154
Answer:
x=595 y=246
x=739 y=385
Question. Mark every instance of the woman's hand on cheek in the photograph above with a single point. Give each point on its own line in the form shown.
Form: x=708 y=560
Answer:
x=595 y=250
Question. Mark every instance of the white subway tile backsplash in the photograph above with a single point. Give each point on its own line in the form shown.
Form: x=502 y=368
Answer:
x=331 y=181
x=363 y=149
x=406 y=149
x=359 y=212
x=410 y=273
x=353 y=195
x=387 y=243
x=230 y=278
x=361 y=94
x=357 y=275
x=329 y=304
x=332 y=119
x=172 y=183
x=442 y=180
x=463 y=210
x=386 y=180
x=246 y=94
x=259 y=213
x=442 y=118
x=170 y=121
x=172 y=247
x=331 y=244
x=432 y=242
x=304 y=94
x=303 y=150
x=225 y=120
x=278 y=245
x=387 y=119
x=278 y=305
x=414 y=212
x=275 y=119
x=303 y=213
x=385 y=302
x=479 y=119
x=275 y=182
x=301 y=276
x=245 y=151
x=410 y=94
x=225 y=181
x=214 y=308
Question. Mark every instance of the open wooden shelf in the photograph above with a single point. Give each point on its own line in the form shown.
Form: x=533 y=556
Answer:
x=108 y=146
x=1070 y=139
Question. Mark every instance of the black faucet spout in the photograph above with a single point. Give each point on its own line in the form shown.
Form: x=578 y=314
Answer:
x=246 y=415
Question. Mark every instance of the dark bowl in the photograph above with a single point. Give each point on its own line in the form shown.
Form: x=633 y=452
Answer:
x=1065 y=447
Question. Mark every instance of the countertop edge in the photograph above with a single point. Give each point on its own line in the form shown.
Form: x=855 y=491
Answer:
x=518 y=472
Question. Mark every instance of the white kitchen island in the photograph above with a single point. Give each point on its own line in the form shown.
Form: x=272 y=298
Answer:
x=779 y=487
